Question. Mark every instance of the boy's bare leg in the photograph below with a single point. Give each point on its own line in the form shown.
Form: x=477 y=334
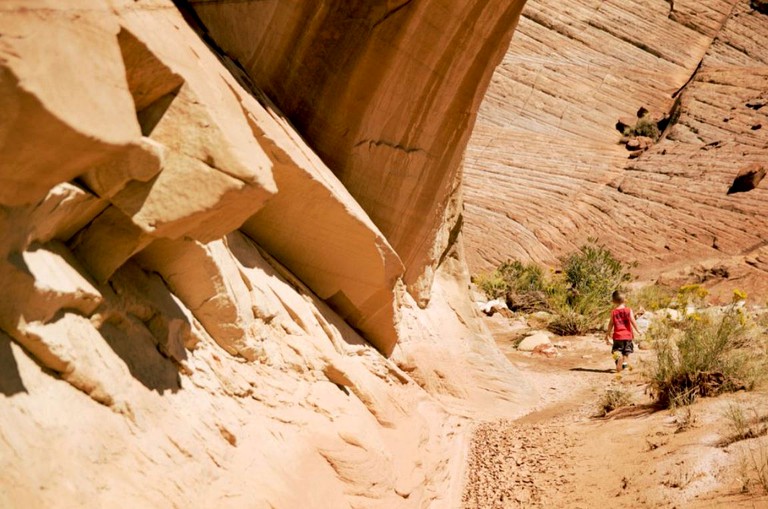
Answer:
x=625 y=361
x=619 y=360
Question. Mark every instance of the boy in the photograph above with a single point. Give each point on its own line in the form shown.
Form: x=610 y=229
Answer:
x=620 y=329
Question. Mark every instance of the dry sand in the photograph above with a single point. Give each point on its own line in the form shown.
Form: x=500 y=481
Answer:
x=563 y=456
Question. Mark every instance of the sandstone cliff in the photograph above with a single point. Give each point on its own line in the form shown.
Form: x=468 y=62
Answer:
x=386 y=90
x=205 y=307
x=545 y=169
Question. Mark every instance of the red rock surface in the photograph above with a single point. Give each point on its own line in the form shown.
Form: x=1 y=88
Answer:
x=544 y=170
x=391 y=117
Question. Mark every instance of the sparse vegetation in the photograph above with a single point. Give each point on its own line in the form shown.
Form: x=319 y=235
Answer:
x=645 y=126
x=613 y=399
x=744 y=424
x=578 y=298
x=685 y=419
x=652 y=297
x=691 y=294
x=492 y=284
x=661 y=329
x=711 y=354
x=758 y=460
x=753 y=457
x=594 y=270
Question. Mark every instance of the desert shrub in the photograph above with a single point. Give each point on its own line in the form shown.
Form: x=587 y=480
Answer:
x=523 y=277
x=593 y=269
x=613 y=399
x=756 y=459
x=652 y=297
x=712 y=354
x=581 y=299
x=661 y=330
x=645 y=126
x=567 y=322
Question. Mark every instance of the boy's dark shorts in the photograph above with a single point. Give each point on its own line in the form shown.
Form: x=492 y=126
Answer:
x=625 y=346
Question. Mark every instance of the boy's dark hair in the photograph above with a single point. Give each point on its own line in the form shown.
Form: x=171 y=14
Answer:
x=617 y=297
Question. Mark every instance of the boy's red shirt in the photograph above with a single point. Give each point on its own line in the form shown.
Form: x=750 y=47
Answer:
x=622 y=325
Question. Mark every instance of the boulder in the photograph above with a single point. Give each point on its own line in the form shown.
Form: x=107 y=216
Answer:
x=672 y=314
x=535 y=340
x=65 y=210
x=206 y=279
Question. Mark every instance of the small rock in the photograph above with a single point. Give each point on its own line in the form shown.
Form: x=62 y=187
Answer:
x=493 y=306
x=640 y=143
x=546 y=350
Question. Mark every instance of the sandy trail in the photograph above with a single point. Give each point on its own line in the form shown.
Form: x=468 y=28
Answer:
x=562 y=456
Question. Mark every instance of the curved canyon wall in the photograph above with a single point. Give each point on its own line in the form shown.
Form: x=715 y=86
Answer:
x=387 y=92
x=205 y=307
x=545 y=170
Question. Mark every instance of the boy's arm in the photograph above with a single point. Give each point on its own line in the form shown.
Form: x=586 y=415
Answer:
x=609 y=331
x=634 y=323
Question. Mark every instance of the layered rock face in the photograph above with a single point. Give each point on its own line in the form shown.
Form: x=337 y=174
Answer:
x=545 y=169
x=386 y=90
x=197 y=311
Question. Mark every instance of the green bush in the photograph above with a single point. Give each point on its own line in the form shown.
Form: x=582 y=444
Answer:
x=582 y=301
x=644 y=127
x=711 y=354
x=594 y=270
x=579 y=297
x=523 y=277
x=491 y=284
x=523 y=285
